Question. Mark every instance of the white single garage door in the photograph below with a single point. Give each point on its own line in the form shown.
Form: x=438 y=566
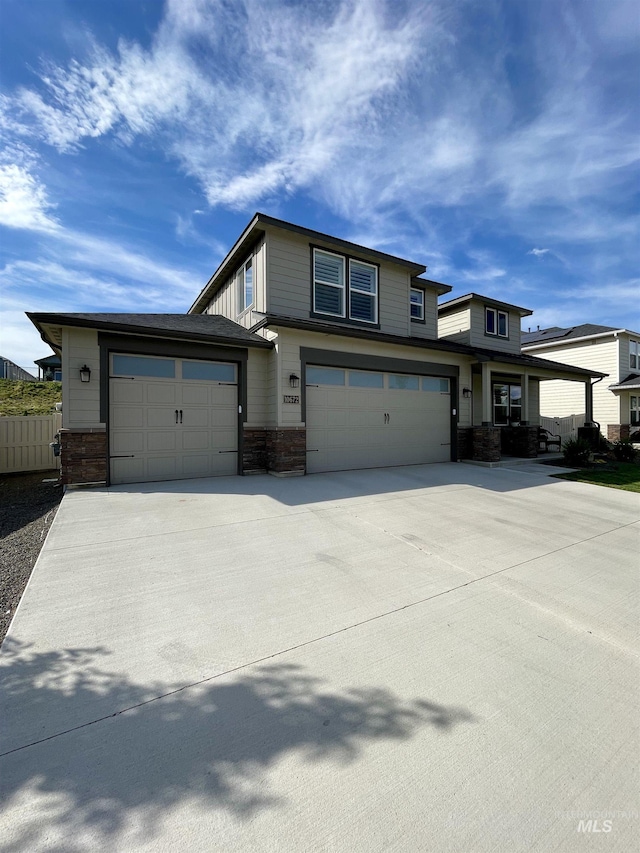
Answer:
x=365 y=419
x=171 y=418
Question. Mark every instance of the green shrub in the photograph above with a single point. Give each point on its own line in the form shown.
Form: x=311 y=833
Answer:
x=624 y=451
x=577 y=452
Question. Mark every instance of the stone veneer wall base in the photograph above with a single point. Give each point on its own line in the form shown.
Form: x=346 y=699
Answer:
x=618 y=432
x=83 y=457
x=485 y=444
x=286 y=450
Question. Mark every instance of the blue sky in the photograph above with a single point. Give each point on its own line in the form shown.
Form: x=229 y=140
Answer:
x=496 y=142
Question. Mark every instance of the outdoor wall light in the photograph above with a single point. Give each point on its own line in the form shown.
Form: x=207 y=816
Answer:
x=85 y=374
x=466 y=393
x=294 y=380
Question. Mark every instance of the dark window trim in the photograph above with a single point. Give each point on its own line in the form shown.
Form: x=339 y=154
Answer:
x=358 y=361
x=510 y=383
x=422 y=290
x=496 y=334
x=335 y=318
x=240 y=282
x=110 y=343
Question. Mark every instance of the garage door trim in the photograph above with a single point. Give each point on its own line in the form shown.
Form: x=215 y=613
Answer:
x=110 y=344
x=386 y=364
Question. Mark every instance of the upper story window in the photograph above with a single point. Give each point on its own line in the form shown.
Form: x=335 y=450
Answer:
x=634 y=355
x=496 y=322
x=417 y=304
x=344 y=287
x=245 y=286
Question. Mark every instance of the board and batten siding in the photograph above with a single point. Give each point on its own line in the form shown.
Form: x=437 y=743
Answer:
x=226 y=300
x=559 y=399
x=288 y=349
x=80 y=400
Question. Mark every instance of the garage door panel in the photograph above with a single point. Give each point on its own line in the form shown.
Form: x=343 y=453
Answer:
x=224 y=395
x=127 y=470
x=160 y=392
x=195 y=417
x=160 y=445
x=160 y=417
x=195 y=395
x=127 y=417
x=195 y=440
x=128 y=442
x=157 y=441
x=384 y=426
x=162 y=467
x=127 y=391
x=223 y=418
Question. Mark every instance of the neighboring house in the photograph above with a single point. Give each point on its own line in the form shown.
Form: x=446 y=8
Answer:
x=10 y=370
x=613 y=351
x=49 y=368
x=303 y=353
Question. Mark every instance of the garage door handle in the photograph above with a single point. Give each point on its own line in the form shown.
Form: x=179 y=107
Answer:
x=176 y=416
x=180 y=415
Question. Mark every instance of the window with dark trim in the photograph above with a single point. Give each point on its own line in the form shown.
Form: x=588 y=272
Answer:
x=496 y=322
x=344 y=288
x=245 y=286
x=507 y=403
x=417 y=304
x=634 y=410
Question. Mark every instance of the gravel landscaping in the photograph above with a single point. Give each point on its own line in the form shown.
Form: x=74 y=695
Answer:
x=28 y=507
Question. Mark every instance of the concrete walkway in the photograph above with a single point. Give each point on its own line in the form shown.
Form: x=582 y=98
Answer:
x=434 y=658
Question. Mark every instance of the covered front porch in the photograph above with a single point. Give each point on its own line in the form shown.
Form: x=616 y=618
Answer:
x=505 y=409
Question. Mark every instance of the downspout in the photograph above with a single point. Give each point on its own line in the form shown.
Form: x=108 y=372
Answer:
x=590 y=420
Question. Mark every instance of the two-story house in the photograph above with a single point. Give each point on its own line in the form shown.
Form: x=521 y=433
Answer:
x=613 y=351
x=303 y=353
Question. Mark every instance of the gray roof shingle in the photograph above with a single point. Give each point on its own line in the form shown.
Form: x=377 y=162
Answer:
x=201 y=327
x=555 y=333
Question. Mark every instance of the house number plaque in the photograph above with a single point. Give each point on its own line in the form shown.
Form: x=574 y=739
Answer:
x=291 y=398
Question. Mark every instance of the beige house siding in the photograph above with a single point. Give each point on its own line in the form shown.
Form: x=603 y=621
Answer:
x=624 y=365
x=81 y=400
x=478 y=337
x=226 y=301
x=258 y=364
x=455 y=326
x=288 y=349
x=561 y=399
x=428 y=329
x=289 y=258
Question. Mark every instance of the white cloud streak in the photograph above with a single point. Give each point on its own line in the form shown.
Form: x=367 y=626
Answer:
x=23 y=200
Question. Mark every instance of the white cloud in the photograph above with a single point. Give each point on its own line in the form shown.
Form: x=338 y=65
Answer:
x=23 y=200
x=538 y=252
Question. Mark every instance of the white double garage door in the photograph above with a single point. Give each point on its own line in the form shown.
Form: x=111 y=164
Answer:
x=171 y=418
x=370 y=419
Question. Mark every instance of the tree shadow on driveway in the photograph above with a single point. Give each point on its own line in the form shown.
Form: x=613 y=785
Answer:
x=214 y=744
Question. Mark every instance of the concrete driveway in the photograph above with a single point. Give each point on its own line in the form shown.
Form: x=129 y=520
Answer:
x=435 y=658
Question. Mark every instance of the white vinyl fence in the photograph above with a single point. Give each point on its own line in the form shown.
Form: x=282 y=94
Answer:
x=24 y=443
x=564 y=427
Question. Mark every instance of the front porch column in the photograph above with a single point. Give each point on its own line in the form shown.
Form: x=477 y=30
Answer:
x=487 y=418
x=588 y=402
x=524 y=385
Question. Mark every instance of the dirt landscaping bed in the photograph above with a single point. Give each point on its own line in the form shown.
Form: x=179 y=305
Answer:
x=28 y=507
